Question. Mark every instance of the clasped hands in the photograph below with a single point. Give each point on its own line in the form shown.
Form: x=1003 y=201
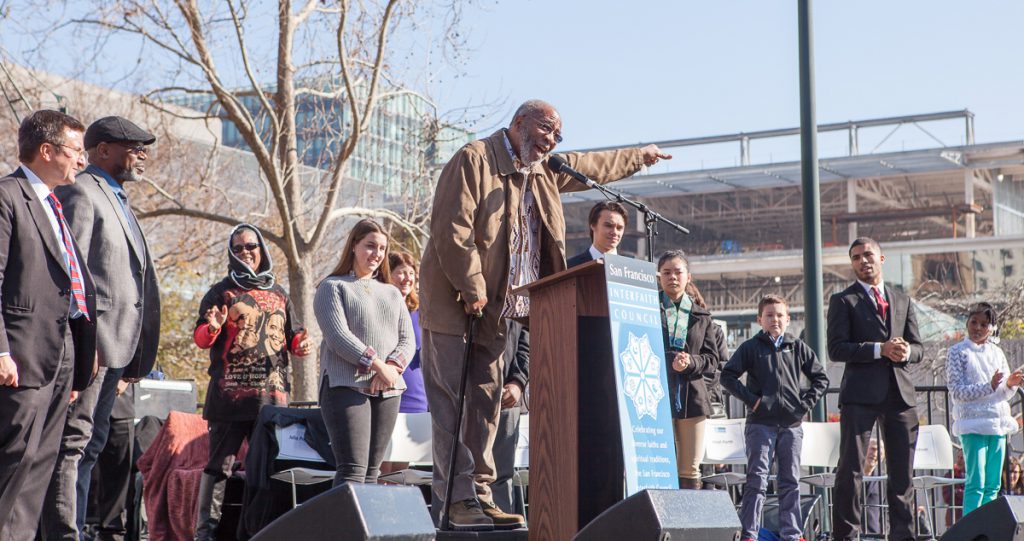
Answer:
x=385 y=377
x=896 y=350
x=1014 y=380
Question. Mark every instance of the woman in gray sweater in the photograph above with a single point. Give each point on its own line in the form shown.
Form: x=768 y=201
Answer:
x=367 y=342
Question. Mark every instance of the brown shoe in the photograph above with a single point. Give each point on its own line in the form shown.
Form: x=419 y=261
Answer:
x=466 y=515
x=501 y=519
x=690 y=484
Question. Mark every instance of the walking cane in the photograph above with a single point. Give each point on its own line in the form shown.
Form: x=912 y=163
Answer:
x=471 y=324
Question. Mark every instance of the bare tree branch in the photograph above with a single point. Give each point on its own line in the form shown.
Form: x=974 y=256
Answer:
x=208 y=216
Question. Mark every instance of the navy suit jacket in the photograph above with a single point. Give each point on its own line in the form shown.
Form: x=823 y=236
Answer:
x=35 y=290
x=854 y=327
x=579 y=259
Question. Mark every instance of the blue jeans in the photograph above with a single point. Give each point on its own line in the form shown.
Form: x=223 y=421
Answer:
x=764 y=444
x=98 y=440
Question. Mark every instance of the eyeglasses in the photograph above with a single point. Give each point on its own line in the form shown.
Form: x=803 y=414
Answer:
x=74 y=151
x=239 y=248
x=548 y=129
x=138 y=148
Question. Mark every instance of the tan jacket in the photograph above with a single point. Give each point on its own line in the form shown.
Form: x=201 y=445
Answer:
x=478 y=193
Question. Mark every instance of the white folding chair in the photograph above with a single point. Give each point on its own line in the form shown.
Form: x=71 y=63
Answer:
x=820 y=450
x=724 y=443
x=291 y=444
x=410 y=442
x=934 y=452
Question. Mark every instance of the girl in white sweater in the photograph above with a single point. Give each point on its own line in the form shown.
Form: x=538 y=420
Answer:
x=981 y=385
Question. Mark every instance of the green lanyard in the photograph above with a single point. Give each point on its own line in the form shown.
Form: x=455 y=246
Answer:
x=678 y=313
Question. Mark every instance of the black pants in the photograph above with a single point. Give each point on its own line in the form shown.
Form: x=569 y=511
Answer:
x=31 y=424
x=360 y=428
x=225 y=440
x=899 y=427
x=504 y=450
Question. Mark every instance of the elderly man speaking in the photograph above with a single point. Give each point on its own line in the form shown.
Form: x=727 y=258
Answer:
x=496 y=224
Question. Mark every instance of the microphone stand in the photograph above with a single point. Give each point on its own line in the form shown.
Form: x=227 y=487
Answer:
x=651 y=218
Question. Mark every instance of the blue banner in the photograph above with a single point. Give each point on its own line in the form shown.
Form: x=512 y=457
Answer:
x=645 y=415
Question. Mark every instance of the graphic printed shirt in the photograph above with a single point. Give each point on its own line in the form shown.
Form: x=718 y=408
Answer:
x=249 y=353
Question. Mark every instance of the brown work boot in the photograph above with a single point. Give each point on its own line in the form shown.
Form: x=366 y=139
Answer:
x=501 y=519
x=690 y=484
x=466 y=515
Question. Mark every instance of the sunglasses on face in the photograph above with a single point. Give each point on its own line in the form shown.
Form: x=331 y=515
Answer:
x=239 y=248
x=134 y=148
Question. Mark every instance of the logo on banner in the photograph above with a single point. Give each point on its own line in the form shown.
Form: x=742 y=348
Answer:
x=643 y=376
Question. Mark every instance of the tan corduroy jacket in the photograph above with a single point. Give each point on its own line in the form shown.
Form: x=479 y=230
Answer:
x=478 y=194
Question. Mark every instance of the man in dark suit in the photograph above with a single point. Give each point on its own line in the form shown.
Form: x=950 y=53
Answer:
x=608 y=221
x=872 y=328
x=114 y=250
x=517 y=375
x=48 y=335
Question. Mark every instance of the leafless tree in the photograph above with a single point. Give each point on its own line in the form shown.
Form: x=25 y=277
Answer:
x=275 y=70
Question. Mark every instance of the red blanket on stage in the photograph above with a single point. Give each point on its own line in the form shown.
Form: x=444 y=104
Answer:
x=171 y=468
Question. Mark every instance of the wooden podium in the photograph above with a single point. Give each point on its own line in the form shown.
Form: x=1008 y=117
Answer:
x=576 y=463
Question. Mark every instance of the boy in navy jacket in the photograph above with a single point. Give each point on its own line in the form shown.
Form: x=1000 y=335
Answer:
x=773 y=362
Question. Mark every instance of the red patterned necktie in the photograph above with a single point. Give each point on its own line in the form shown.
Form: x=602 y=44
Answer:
x=880 y=303
x=77 y=287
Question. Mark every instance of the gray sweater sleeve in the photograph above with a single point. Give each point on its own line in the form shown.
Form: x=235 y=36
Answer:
x=406 y=347
x=329 y=308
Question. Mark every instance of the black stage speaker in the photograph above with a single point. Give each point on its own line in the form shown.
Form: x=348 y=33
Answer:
x=810 y=512
x=667 y=515
x=355 y=512
x=999 y=520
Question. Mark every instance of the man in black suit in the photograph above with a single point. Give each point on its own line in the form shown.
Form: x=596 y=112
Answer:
x=872 y=328
x=47 y=335
x=517 y=375
x=608 y=221
x=128 y=320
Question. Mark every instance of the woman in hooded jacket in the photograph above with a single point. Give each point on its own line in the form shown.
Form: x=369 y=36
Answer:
x=694 y=349
x=247 y=322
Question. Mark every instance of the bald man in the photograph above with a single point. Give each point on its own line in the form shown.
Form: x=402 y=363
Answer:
x=496 y=224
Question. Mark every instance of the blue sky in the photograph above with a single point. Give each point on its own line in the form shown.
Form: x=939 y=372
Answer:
x=623 y=73
x=644 y=70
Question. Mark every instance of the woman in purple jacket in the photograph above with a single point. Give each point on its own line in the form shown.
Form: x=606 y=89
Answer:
x=405 y=272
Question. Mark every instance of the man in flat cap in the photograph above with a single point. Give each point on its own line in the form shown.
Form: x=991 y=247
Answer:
x=115 y=251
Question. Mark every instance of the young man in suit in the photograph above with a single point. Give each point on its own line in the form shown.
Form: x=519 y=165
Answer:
x=608 y=221
x=48 y=333
x=873 y=329
x=114 y=250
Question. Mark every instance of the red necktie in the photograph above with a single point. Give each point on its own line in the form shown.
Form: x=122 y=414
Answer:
x=880 y=303
x=77 y=287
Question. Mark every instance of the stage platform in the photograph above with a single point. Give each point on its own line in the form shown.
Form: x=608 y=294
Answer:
x=521 y=534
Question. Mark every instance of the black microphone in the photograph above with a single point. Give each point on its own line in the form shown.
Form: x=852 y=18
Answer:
x=557 y=163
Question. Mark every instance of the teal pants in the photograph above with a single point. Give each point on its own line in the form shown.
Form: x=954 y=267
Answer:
x=983 y=460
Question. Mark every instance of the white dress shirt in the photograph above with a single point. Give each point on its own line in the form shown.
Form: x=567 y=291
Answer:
x=43 y=192
x=596 y=254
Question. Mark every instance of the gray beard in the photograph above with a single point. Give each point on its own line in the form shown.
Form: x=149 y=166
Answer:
x=128 y=175
x=525 y=147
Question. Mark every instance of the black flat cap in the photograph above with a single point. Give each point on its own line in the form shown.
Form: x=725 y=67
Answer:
x=113 y=129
